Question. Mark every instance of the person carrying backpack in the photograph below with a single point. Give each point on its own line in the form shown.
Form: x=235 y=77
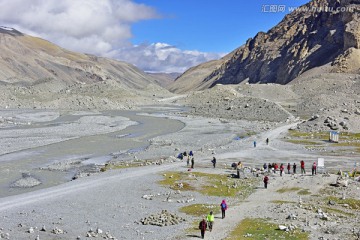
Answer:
x=202 y=227
x=223 y=207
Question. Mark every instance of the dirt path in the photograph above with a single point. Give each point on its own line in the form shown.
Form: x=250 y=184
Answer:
x=257 y=204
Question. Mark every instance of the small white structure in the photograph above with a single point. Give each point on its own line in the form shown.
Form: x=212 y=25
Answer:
x=320 y=165
x=334 y=136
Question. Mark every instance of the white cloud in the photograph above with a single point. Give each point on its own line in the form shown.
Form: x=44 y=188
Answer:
x=162 y=57
x=101 y=27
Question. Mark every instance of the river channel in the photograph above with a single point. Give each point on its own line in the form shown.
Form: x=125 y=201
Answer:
x=93 y=149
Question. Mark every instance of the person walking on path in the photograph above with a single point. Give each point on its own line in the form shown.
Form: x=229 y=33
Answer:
x=203 y=227
x=281 y=169
x=266 y=181
x=223 y=207
x=192 y=162
x=302 y=165
x=313 y=169
x=210 y=220
x=254 y=143
x=294 y=168
x=267 y=141
x=288 y=168
x=213 y=162
x=188 y=161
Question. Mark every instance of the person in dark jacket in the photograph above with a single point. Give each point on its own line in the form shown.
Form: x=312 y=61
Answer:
x=203 y=227
x=294 y=168
x=214 y=161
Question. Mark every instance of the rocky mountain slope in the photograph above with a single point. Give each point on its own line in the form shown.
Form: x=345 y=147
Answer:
x=323 y=34
x=37 y=74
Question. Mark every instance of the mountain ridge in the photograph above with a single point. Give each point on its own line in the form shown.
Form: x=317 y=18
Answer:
x=300 y=42
x=36 y=73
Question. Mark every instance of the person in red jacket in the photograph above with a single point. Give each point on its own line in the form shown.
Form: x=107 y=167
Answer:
x=313 y=169
x=266 y=181
x=203 y=227
x=276 y=166
x=281 y=169
x=302 y=165
x=223 y=207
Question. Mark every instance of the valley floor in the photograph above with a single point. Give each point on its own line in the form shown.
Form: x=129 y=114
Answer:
x=110 y=204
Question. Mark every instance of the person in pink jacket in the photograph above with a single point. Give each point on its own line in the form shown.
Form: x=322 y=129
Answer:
x=223 y=207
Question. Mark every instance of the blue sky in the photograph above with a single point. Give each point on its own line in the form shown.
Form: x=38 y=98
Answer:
x=154 y=35
x=209 y=25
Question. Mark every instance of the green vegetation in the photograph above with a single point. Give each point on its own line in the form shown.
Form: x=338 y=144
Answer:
x=246 y=134
x=282 y=202
x=260 y=229
x=222 y=185
x=299 y=191
x=178 y=181
x=121 y=165
x=293 y=189
x=304 y=142
x=304 y=192
x=210 y=184
x=309 y=135
x=353 y=203
x=199 y=210
x=337 y=211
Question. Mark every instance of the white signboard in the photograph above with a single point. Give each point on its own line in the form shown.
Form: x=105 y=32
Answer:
x=321 y=162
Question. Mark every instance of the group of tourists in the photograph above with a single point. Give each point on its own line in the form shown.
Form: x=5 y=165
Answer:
x=189 y=158
x=274 y=167
x=208 y=222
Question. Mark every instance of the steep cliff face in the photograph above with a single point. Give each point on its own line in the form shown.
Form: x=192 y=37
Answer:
x=322 y=32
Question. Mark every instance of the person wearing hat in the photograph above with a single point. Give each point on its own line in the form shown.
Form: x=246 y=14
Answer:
x=210 y=220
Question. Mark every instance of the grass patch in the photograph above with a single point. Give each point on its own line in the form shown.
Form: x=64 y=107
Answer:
x=223 y=186
x=283 y=202
x=284 y=190
x=309 y=135
x=304 y=192
x=200 y=210
x=175 y=179
x=353 y=203
x=260 y=229
x=210 y=184
x=120 y=165
x=304 y=142
x=338 y=211
x=350 y=136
